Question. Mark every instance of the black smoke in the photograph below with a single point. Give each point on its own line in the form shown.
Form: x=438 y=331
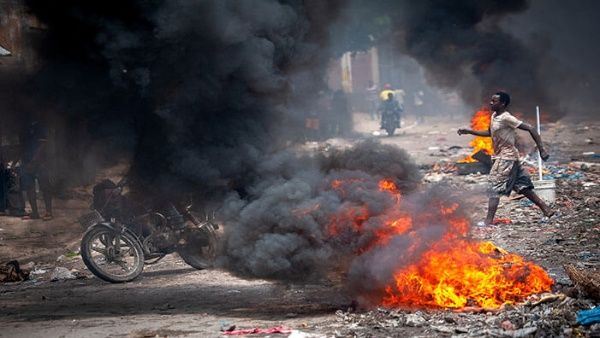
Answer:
x=541 y=52
x=195 y=91
x=564 y=33
x=282 y=228
x=205 y=97
x=462 y=47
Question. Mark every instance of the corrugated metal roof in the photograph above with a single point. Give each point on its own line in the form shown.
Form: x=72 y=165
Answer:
x=4 y=52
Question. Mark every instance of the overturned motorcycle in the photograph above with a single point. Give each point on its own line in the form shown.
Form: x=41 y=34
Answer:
x=121 y=238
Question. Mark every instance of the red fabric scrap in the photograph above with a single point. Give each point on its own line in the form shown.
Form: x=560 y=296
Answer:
x=502 y=221
x=278 y=329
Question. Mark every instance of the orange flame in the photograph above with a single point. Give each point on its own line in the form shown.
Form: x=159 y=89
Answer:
x=390 y=186
x=481 y=121
x=466 y=274
x=453 y=272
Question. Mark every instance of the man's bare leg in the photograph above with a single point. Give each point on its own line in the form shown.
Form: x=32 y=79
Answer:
x=533 y=197
x=492 y=208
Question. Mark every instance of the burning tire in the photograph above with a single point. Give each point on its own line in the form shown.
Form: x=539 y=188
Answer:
x=200 y=249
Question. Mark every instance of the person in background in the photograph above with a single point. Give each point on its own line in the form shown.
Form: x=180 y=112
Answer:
x=341 y=112
x=387 y=89
x=399 y=95
x=372 y=99
x=418 y=98
x=34 y=166
x=390 y=107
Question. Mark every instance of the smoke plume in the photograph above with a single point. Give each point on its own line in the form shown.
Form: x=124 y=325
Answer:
x=196 y=91
x=204 y=97
x=463 y=47
x=284 y=228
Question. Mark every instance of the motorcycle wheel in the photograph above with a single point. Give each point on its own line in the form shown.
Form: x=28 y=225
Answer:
x=201 y=250
x=112 y=256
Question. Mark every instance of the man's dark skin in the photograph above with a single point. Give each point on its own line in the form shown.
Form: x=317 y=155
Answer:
x=496 y=105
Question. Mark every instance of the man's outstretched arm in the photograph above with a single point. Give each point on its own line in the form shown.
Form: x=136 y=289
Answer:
x=483 y=133
x=537 y=138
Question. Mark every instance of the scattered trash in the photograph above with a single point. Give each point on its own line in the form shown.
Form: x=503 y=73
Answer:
x=13 y=272
x=300 y=334
x=227 y=326
x=587 y=281
x=472 y=168
x=433 y=177
x=278 y=329
x=507 y=325
x=61 y=273
x=502 y=221
x=38 y=271
x=548 y=314
x=415 y=319
x=444 y=168
x=589 y=317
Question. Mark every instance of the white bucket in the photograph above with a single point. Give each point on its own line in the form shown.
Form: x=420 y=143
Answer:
x=546 y=190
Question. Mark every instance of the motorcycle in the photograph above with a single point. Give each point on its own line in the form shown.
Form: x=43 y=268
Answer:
x=121 y=236
x=390 y=120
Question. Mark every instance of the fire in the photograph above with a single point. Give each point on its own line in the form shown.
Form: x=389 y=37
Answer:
x=480 y=121
x=390 y=186
x=447 y=271
x=466 y=274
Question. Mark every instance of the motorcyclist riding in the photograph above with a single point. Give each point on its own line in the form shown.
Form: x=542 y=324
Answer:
x=390 y=114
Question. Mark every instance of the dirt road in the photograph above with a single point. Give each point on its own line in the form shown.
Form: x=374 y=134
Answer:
x=171 y=299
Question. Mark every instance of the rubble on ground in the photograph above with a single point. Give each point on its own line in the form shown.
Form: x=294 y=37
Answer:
x=14 y=272
x=61 y=273
x=570 y=237
x=555 y=317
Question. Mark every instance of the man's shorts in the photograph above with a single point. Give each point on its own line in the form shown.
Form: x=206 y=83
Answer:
x=508 y=175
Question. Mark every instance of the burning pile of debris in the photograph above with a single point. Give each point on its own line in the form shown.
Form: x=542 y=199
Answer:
x=567 y=246
x=480 y=159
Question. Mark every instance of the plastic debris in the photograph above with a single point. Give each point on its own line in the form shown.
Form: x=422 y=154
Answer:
x=589 y=317
x=60 y=273
x=278 y=329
